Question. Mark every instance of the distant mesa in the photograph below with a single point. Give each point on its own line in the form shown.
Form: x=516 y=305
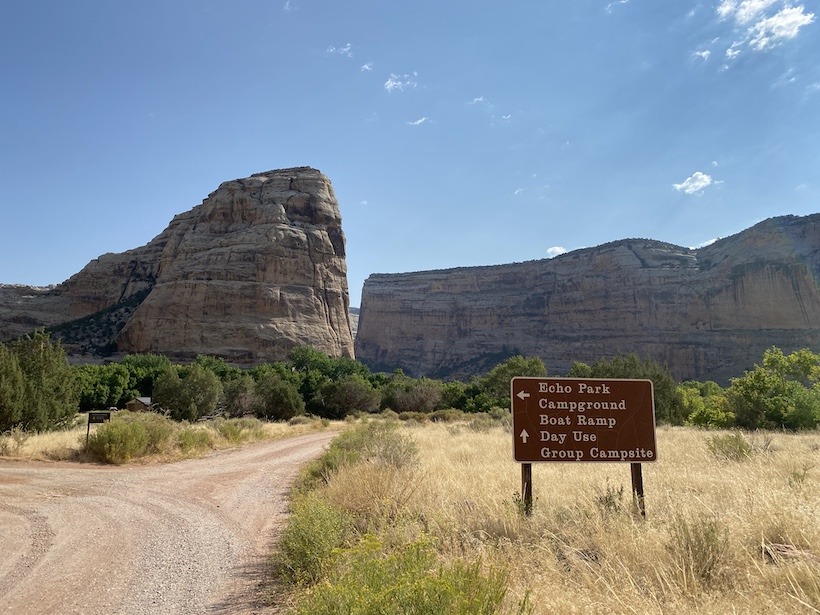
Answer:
x=707 y=313
x=256 y=269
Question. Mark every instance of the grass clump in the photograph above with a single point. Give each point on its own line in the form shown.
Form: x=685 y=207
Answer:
x=699 y=550
x=130 y=435
x=371 y=578
x=731 y=447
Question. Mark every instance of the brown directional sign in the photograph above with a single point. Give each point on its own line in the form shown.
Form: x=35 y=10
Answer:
x=583 y=419
x=98 y=417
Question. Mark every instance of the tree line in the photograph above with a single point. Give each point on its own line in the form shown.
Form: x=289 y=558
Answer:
x=40 y=390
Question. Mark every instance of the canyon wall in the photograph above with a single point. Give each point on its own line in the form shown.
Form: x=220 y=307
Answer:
x=256 y=269
x=707 y=313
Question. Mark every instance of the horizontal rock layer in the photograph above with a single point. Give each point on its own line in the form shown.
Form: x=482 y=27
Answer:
x=707 y=313
x=256 y=269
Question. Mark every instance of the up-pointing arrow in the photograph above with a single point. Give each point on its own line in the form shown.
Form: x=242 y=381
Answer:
x=524 y=436
x=522 y=395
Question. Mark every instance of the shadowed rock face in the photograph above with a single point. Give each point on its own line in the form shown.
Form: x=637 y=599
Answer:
x=707 y=313
x=256 y=269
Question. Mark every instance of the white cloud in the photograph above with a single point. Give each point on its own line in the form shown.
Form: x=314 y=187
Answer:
x=518 y=192
x=555 y=251
x=417 y=122
x=694 y=183
x=289 y=6
x=611 y=6
x=400 y=82
x=362 y=202
x=704 y=54
x=476 y=100
x=506 y=117
x=784 y=25
x=367 y=67
x=343 y=51
x=767 y=23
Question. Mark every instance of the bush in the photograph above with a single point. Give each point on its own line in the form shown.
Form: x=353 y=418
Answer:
x=314 y=530
x=239 y=430
x=733 y=447
x=130 y=435
x=277 y=399
x=371 y=579
x=192 y=439
x=449 y=415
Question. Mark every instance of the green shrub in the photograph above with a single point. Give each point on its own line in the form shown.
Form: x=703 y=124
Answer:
x=129 y=435
x=370 y=579
x=191 y=439
x=315 y=529
x=449 y=415
x=239 y=430
x=733 y=447
x=376 y=442
x=418 y=417
x=118 y=442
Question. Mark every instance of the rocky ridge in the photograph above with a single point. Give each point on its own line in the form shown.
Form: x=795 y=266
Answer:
x=256 y=269
x=706 y=313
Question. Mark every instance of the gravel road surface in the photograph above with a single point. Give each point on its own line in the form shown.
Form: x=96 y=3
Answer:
x=187 y=537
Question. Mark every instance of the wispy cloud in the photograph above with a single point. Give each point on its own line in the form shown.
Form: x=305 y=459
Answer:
x=694 y=184
x=518 y=192
x=784 y=25
x=703 y=244
x=417 y=122
x=476 y=100
x=764 y=23
x=612 y=5
x=367 y=67
x=401 y=82
x=289 y=6
x=555 y=251
x=342 y=51
x=703 y=54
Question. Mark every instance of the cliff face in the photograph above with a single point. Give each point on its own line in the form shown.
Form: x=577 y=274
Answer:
x=707 y=313
x=256 y=269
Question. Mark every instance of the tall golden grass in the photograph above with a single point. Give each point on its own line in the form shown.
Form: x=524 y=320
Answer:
x=720 y=536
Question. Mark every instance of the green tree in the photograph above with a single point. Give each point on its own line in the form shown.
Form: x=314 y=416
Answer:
x=349 y=394
x=143 y=371
x=404 y=394
x=669 y=403
x=705 y=404
x=51 y=392
x=218 y=366
x=102 y=386
x=12 y=389
x=277 y=399
x=782 y=392
x=188 y=394
x=239 y=395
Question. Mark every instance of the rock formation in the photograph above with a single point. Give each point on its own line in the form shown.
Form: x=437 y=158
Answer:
x=707 y=313
x=256 y=269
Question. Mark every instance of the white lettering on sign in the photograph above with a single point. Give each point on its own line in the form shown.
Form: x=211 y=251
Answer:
x=598 y=389
x=554 y=387
x=546 y=403
x=549 y=453
x=634 y=454
x=547 y=436
x=546 y=419
x=594 y=421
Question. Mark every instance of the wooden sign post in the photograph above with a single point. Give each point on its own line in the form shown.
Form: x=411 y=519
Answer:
x=95 y=417
x=583 y=420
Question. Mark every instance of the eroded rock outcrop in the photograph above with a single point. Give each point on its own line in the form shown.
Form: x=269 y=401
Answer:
x=706 y=313
x=256 y=269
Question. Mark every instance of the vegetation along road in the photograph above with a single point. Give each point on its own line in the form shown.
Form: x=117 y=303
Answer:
x=185 y=537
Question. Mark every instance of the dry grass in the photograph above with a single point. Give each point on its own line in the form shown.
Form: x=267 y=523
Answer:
x=69 y=444
x=720 y=536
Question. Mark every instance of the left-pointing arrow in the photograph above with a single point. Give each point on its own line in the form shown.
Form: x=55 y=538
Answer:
x=522 y=395
x=524 y=436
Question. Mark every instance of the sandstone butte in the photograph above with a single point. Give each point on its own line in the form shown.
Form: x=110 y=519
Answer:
x=256 y=269
x=707 y=313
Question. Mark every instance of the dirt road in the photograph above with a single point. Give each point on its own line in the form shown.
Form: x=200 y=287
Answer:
x=188 y=537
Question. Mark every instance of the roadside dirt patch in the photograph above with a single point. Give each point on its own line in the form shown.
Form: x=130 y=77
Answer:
x=186 y=537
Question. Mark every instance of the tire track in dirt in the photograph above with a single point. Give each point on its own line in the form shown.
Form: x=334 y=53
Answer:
x=177 y=538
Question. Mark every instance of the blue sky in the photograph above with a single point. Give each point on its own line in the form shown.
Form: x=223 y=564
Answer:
x=454 y=133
